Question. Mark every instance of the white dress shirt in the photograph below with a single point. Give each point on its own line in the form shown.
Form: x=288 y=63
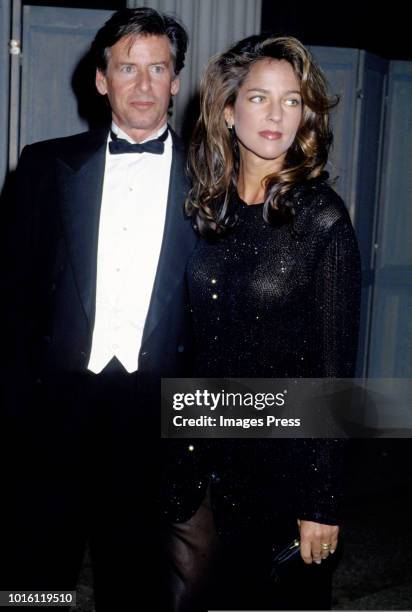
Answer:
x=132 y=216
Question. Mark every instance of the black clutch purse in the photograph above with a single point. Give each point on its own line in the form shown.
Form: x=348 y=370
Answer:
x=284 y=558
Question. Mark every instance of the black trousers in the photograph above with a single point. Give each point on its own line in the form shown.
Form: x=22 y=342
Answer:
x=81 y=466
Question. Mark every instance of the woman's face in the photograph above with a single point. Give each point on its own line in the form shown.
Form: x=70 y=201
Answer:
x=268 y=111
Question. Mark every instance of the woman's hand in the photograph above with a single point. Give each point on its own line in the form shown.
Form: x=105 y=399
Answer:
x=313 y=540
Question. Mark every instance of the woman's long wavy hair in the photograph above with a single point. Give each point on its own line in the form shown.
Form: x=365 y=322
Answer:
x=214 y=160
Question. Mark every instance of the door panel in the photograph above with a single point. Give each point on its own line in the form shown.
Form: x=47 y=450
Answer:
x=54 y=42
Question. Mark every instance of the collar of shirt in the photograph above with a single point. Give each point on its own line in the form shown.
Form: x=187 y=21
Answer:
x=121 y=134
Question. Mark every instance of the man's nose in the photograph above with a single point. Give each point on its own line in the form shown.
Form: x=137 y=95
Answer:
x=143 y=80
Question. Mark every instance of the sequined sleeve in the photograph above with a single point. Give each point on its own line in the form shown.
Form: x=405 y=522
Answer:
x=335 y=338
x=338 y=299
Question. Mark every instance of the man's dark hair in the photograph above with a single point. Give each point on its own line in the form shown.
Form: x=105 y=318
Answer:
x=140 y=21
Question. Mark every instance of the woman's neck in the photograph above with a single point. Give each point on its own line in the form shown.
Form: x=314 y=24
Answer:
x=252 y=173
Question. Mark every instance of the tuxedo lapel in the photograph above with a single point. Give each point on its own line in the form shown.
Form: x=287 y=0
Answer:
x=177 y=243
x=80 y=175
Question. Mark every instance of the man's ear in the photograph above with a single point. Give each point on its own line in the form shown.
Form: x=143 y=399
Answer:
x=175 y=86
x=229 y=116
x=101 y=83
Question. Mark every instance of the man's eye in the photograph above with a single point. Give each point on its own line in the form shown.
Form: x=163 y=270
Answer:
x=257 y=99
x=158 y=69
x=127 y=69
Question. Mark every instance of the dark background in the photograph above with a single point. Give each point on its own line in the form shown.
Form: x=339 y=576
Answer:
x=385 y=31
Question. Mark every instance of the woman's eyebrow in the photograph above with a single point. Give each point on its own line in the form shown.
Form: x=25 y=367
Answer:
x=266 y=91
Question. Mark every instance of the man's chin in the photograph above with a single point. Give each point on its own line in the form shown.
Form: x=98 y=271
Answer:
x=145 y=124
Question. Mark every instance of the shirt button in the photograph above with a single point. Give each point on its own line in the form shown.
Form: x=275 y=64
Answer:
x=115 y=346
x=117 y=269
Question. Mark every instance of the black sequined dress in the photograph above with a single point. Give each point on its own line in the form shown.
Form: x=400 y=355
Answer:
x=266 y=303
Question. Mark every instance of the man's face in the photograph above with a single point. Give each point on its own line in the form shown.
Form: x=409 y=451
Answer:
x=139 y=81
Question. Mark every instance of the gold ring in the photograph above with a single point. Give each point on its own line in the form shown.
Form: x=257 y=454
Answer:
x=325 y=546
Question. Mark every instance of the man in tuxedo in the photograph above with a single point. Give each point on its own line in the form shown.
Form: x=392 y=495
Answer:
x=99 y=247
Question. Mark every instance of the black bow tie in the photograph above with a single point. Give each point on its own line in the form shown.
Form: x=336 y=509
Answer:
x=119 y=145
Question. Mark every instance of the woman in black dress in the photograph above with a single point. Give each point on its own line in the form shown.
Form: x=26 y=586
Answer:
x=274 y=288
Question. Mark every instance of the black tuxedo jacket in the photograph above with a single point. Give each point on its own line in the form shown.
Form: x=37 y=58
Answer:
x=54 y=241
x=52 y=267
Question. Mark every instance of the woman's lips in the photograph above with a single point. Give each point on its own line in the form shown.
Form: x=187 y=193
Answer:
x=270 y=135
